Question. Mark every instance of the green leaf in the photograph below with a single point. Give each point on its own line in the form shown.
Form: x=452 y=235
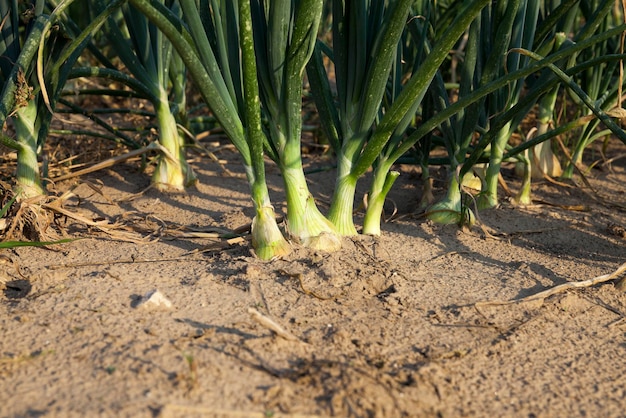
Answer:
x=15 y=244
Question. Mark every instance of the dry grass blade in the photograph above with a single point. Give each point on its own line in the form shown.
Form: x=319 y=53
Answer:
x=574 y=208
x=104 y=225
x=559 y=289
x=196 y=144
x=272 y=325
x=111 y=161
x=394 y=212
x=150 y=225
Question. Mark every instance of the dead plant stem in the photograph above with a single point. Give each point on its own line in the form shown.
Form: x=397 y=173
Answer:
x=559 y=289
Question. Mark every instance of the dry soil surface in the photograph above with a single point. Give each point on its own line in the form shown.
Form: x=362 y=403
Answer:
x=391 y=326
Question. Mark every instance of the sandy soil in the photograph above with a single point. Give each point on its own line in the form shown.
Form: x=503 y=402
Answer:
x=387 y=327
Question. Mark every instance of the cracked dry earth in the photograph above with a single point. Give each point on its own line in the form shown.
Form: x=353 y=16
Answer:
x=386 y=327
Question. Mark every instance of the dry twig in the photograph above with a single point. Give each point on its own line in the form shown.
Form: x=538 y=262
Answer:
x=272 y=325
x=110 y=162
x=559 y=289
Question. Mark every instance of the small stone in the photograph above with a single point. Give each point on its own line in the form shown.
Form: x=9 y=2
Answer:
x=154 y=299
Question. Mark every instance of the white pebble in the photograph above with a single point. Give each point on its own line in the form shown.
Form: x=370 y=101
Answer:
x=154 y=299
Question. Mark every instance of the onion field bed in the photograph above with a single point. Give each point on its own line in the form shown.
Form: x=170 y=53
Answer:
x=401 y=325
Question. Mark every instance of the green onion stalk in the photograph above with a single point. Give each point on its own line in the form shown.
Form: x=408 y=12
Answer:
x=523 y=196
x=435 y=101
x=36 y=61
x=365 y=37
x=418 y=29
x=233 y=99
x=267 y=239
x=452 y=208
x=27 y=176
x=363 y=133
x=178 y=94
x=544 y=161
x=411 y=52
x=500 y=25
x=514 y=25
x=458 y=132
x=540 y=160
x=457 y=116
x=599 y=82
x=285 y=34
x=172 y=171
x=428 y=195
x=19 y=102
x=148 y=55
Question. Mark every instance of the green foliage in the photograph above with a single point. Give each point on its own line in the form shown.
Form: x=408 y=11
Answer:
x=389 y=79
x=37 y=55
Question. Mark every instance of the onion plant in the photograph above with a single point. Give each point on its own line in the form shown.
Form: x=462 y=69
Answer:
x=285 y=34
x=19 y=103
x=594 y=64
x=540 y=160
x=149 y=57
x=496 y=123
x=544 y=161
x=512 y=25
x=231 y=92
x=362 y=128
x=500 y=26
x=34 y=65
x=600 y=82
x=557 y=19
x=562 y=19
x=544 y=85
x=470 y=154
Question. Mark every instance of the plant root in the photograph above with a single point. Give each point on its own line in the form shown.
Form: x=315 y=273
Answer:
x=27 y=220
